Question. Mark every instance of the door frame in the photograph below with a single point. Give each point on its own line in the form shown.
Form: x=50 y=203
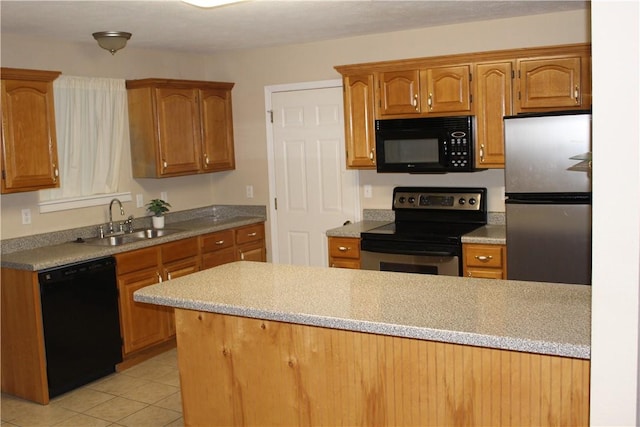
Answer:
x=268 y=93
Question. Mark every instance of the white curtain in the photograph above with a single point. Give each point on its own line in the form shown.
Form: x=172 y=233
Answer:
x=92 y=129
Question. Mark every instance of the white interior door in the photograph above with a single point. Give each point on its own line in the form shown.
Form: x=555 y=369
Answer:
x=313 y=188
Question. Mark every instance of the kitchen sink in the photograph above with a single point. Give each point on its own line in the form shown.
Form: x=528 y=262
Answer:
x=135 y=236
x=150 y=233
x=117 y=240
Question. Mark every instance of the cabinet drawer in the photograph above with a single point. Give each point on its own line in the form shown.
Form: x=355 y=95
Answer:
x=179 y=250
x=216 y=241
x=248 y=234
x=344 y=247
x=345 y=263
x=215 y=258
x=485 y=273
x=483 y=256
x=137 y=260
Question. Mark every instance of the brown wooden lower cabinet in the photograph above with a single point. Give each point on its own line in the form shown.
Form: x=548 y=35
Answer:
x=484 y=261
x=148 y=329
x=245 y=243
x=242 y=371
x=344 y=252
x=24 y=365
x=145 y=325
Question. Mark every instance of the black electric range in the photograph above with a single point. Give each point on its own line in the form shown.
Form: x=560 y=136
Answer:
x=428 y=229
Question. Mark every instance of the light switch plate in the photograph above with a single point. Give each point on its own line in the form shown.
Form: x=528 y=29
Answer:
x=139 y=201
x=163 y=196
x=368 y=192
x=249 y=191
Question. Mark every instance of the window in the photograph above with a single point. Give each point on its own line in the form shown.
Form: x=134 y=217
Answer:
x=92 y=129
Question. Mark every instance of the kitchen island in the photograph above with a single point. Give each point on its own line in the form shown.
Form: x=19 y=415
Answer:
x=289 y=345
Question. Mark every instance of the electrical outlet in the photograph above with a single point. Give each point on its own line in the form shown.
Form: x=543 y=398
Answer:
x=368 y=191
x=163 y=196
x=26 y=216
x=249 y=191
x=139 y=201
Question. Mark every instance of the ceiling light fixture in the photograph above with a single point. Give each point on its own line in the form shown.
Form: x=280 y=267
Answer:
x=112 y=41
x=210 y=3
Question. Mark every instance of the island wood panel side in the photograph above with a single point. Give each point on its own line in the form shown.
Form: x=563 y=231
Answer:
x=242 y=371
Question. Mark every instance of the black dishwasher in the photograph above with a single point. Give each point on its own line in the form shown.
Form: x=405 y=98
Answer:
x=81 y=323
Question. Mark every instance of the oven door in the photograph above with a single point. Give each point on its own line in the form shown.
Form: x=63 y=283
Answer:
x=444 y=265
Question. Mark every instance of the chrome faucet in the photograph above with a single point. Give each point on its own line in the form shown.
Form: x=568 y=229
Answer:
x=111 y=215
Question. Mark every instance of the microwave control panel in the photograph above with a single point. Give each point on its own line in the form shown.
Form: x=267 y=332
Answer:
x=458 y=150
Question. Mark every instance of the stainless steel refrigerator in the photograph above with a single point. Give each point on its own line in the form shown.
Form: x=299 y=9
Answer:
x=548 y=197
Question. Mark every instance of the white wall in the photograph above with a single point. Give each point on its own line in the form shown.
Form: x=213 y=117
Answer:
x=616 y=214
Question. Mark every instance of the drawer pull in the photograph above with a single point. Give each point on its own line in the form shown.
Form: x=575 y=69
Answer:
x=484 y=258
x=343 y=248
x=254 y=234
x=220 y=242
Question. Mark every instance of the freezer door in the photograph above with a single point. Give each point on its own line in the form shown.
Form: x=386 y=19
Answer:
x=548 y=154
x=549 y=243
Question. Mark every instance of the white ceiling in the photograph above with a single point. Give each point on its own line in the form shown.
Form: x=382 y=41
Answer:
x=173 y=25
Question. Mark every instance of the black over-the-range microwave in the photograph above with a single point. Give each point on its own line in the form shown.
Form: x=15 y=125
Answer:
x=425 y=145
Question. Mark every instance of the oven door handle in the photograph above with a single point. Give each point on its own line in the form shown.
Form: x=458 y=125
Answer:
x=410 y=252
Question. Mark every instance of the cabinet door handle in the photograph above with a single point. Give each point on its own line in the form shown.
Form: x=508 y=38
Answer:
x=482 y=153
x=415 y=102
x=430 y=101
x=344 y=248
x=206 y=159
x=164 y=163
x=159 y=277
x=168 y=275
x=484 y=258
x=242 y=255
x=371 y=157
x=220 y=242
x=576 y=94
x=55 y=173
x=252 y=234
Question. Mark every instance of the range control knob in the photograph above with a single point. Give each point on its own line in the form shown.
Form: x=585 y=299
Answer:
x=472 y=201
x=401 y=199
x=461 y=201
x=412 y=199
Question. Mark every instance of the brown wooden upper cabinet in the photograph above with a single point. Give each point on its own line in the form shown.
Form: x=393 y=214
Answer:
x=29 y=150
x=359 y=118
x=552 y=83
x=488 y=85
x=180 y=127
x=425 y=91
x=493 y=88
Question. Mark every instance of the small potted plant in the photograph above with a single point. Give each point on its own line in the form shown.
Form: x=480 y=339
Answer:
x=158 y=207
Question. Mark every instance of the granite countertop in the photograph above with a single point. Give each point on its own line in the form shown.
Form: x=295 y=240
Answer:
x=545 y=318
x=70 y=252
x=354 y=229
x=490 y=234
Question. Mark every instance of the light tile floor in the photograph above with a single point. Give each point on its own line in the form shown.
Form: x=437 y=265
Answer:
x=147 y=394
